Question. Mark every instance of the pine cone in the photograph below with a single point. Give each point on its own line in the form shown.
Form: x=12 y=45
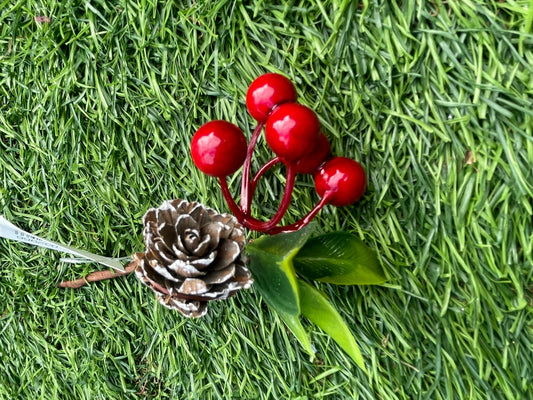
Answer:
x=193 y=255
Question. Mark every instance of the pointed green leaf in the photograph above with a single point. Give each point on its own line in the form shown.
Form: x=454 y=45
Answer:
x=340 y=258
x=273 y=271
x=296 y=327
x=317 y=308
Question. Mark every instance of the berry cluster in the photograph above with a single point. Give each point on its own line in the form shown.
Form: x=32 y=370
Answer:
x=292 y=131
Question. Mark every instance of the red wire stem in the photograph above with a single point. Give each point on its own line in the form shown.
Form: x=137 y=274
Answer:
x=305 y=220
x=246 y=197
x=246 y=220
x=261 y=172
x=285 y=201
x=248 y=188
x=229 y=199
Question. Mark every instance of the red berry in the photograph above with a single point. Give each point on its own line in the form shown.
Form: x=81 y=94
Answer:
x=309 y=163
x=218 y=148
x=343 y=178
x=266 y=92
x=291 y=131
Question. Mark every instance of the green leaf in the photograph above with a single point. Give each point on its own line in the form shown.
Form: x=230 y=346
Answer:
x=317 y=308
x=340 y=258
x=296 y=327
x=273 y=271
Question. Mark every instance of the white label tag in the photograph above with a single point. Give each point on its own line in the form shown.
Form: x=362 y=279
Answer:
x=10 y=231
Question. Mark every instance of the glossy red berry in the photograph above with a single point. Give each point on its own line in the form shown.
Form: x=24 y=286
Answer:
x=266 y=92
x=343 y=178
x=309 y=163
x=291 y=131
x=218 y=148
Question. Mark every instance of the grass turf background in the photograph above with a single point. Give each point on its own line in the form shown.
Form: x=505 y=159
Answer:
x=98 y=101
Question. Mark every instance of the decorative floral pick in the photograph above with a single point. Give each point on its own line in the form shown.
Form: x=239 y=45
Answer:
x=194 y=255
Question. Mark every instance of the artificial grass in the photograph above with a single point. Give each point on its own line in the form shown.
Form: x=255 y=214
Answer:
x=97 y=107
